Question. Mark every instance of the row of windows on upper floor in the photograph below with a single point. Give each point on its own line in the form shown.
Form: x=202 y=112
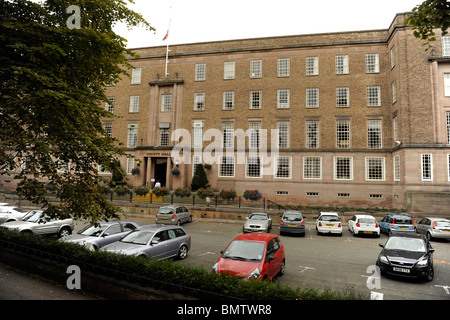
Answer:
x=372 y=63
x=373 y=98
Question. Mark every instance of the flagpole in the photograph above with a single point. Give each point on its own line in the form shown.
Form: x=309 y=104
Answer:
x=165 y=38
x=167 y=60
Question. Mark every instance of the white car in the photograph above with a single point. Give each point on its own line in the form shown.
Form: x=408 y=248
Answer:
x=363 y=224
x=11 y=213
x=329 y=222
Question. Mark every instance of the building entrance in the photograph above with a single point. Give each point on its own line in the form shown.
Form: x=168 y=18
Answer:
x=160 y=173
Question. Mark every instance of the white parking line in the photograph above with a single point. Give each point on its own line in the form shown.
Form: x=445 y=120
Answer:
x=446 y=288
x=206 y=253
x=305 y=268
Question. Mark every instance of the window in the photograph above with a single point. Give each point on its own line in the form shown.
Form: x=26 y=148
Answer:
x=447 y=84
x=228 y=134
x=312 y=66
x=394 y=92
x=312 y=97
x=283 y=134
x=448 y=127
x=283 y=98
x=196 y=159
x=392 y=56
x=254 y=139
x=397 y=168
x=343 y=134
x=374 y=134
x=283 y=167
x=395 y=129
x=109 y=106
x=108 y=128
x=255 y=68
x=255 y=99
x=312 y=134
x=373 y=96
x=446 y=46
x=372 y=63
x=312 y=167
x=284 y=67
x=226 y=166
x=228 y=70
x=197 y=128
x=130 y=164
x=134 y=104
x=166 y=102
x=375 y=168
x=200 y=72
x=448 y=166
x=427 y=167
x=342 y=97
x=199 y=101
x=228 y=100
x=132 y=135
x=342 y=64
x=343 y=168
x=164 y=134
x=136 y=76
x=253 y=167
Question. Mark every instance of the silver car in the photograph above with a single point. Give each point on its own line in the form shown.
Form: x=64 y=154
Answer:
x=94 y=237
x=258 y=222
x=434 y=228
x=11 y=213
x=37 y=223
x=292 y=222
x=153 y=241
x=173 y=214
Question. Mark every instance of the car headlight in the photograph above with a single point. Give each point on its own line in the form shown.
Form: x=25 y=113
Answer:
x=422 y=263
x=214 y=268
x=254 y=274
x=383 y=258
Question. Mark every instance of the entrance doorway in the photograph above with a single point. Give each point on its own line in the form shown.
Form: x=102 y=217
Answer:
x=160 y=173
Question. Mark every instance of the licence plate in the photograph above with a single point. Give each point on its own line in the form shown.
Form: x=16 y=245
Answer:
x=446 y=230
x=368 y=232
x=401 y=270
x=164 y=219
x=330 y=225
x=403 y=227
x=291 y=225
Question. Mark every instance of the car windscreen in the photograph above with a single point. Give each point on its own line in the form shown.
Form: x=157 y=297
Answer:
x=258 y=217
x=32 y=216
x=138 y=237
x=403 y=221
x=406 y=244
x=330 y=218
x=243 y=250
x=292 y=217
x=92 y=230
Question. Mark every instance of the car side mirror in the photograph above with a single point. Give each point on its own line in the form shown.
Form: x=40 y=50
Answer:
x=381 y=245
x=105 y=235
x=269 y=258
x=154 y=242
x=431 y=250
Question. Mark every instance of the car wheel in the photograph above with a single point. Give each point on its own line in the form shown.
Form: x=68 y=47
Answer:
x=430 y=276
x=190 y=219
x=178 y=223
x=182 y=253
x=429 y=237
x=64 y=232
x=283 y=268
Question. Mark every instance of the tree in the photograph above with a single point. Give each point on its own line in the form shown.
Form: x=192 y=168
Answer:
x=199 y=180
x=430 y=15
x=53 y=78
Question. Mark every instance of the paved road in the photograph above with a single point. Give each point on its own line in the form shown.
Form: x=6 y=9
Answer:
x=18 y=285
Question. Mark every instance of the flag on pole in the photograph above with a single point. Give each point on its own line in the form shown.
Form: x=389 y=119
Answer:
x=168 y=28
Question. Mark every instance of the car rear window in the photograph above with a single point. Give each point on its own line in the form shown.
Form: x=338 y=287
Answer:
x=292 y=217
x=403 y=221
x=330 y=218
x=367 y=220
x=442 y=224
x=165 y=210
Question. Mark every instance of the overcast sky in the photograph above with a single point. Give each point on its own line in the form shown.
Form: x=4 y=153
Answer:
x=202 y=20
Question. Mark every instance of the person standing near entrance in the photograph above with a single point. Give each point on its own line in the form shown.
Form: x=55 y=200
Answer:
x=157 y=184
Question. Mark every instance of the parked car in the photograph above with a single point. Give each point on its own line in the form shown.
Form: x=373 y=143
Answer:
x=329 y=222
x=407 y=255
x=392 y=223
x=173 y=214
x=11 y=213
x=153 y=241
x=37 y=223
x=253 y=256
x=258 y=222
x=363 y=224
x=292 y=222
x=434 y=228
x=94 y=237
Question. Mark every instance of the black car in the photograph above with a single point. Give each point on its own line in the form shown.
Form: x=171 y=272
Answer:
x=407 y=255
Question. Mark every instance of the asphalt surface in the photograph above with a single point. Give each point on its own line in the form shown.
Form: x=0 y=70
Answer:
x=18 y=285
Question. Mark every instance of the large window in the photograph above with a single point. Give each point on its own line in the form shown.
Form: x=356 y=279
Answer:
x=228 y=100
x=164 y=134
x=254 y=131
x=312 y=134
x=448 y=127
x=283 y=134
x=284 y=67
x=373 y=96
x=397 y=168
x=228 y=134
x=255 y=99
x=375 y=168
x=343 y=168
x=283 y=167
x=312 y=97
x=200 y=72
x=253 y=167
x=446 y=46
x=255 y=68
x=283 y=98
x=342 y=97
x=372 y=63
x=427 y=167
x=109 y=106
x=199 y=101
x=447 y=84
x=229 y=70
x=312 y=66
x=342 y=64
x=132 y=135
x=226 y=166
x=134 y=104
x=166 y=102
x=312 y=167
x=136 y=76
x=343 y=134
x=197 y=128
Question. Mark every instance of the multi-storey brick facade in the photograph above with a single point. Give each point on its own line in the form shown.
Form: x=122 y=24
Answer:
x=363 y=117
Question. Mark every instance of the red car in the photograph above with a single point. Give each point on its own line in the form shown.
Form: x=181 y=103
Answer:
x=253 y=256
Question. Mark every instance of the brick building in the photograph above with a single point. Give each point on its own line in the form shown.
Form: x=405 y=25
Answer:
x=351 y=118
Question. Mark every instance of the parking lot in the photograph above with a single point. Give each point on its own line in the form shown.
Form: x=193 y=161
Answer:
x=323 y=261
